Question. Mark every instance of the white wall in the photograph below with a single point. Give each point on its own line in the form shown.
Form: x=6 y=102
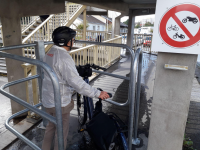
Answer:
x=90 y=27
x=146 y=30
x=76 y=22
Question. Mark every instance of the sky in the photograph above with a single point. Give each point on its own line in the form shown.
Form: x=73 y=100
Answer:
x=138 y=18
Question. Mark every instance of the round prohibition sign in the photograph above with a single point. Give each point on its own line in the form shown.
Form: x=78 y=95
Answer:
x=192 y=39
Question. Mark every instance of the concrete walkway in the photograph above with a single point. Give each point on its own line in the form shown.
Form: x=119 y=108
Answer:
x=192 y=130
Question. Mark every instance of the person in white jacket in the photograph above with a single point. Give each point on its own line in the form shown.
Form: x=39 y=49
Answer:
x=62 y=63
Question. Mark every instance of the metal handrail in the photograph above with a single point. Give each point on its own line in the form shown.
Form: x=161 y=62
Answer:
x=136 y=62
x=19 y=135
x=131 y=96
x=57 y=97
x=20 y=101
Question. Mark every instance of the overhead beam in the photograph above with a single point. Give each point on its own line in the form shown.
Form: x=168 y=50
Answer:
x=105 y=13
x=117 y=5
x=141 y=6
x=19 y=8
x=140 y=12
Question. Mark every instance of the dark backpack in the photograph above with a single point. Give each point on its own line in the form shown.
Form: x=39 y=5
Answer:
x=101 y=128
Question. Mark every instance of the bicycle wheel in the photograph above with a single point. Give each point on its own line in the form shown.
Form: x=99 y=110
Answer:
x=183 y=36
x=169 y=28
x=176 y=28
x=80 y=108
x=175 y=36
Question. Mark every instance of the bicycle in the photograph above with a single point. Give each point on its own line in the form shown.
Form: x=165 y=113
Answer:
x=173 y=28
x=85 y=106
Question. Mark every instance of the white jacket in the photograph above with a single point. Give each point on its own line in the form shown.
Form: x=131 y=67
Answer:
x=63 y=65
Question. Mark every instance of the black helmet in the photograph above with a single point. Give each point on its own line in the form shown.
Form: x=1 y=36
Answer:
x=62 y=35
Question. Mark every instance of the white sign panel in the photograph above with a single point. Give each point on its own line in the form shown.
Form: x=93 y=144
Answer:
x=177 y=27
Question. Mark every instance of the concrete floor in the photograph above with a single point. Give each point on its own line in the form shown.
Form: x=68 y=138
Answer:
x=119 y=88
x=5 y=107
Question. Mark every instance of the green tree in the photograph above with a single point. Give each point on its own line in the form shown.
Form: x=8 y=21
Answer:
x=80 y=26
x=138 y=25
x=151 y=30
x=148 y=24
x=126 y=22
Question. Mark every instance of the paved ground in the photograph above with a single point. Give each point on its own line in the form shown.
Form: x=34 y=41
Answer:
x=119 y=88
x=192 y=130
x=5 y=107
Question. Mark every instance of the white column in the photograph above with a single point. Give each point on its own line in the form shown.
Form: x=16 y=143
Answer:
x=131 y=25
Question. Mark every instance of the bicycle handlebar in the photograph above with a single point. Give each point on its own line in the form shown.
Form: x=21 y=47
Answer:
x=97 y=67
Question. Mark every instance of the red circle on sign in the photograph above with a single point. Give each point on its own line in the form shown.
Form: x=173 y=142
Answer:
x=183 y=7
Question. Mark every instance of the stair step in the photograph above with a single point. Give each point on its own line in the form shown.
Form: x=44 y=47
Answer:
x=35 y=25
x=3 y=71
x=23 y=36
x=31 y=28
x=3 y=68
x=2 y=64
x=39 y=22
x=27 y=32
x=3 y=61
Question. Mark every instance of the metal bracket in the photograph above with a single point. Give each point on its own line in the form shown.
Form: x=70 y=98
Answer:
x=175 y=67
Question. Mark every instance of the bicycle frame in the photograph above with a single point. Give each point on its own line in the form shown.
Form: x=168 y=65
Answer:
x=89 y=103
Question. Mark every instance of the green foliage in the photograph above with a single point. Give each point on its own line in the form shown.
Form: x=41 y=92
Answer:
x=138 y=25
x=148 y=24
x=187 y=144
x=126 y=22
x=80 y=26
x=151 y=30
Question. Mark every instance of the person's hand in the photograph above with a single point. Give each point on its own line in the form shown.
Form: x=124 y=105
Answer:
x=104 y=95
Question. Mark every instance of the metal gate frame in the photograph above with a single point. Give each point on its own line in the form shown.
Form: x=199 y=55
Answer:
x=135 y=71
x=39 y=46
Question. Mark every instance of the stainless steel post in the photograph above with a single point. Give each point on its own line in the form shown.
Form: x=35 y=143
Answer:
x=40 y=53
x=138 y=57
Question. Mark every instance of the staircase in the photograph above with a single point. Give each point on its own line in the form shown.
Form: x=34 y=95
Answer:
x=34 y=29
x=31 y=28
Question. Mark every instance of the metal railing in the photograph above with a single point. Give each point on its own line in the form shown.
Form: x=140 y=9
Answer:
x=133 y=94
x=39 y=46
x=143 y=41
